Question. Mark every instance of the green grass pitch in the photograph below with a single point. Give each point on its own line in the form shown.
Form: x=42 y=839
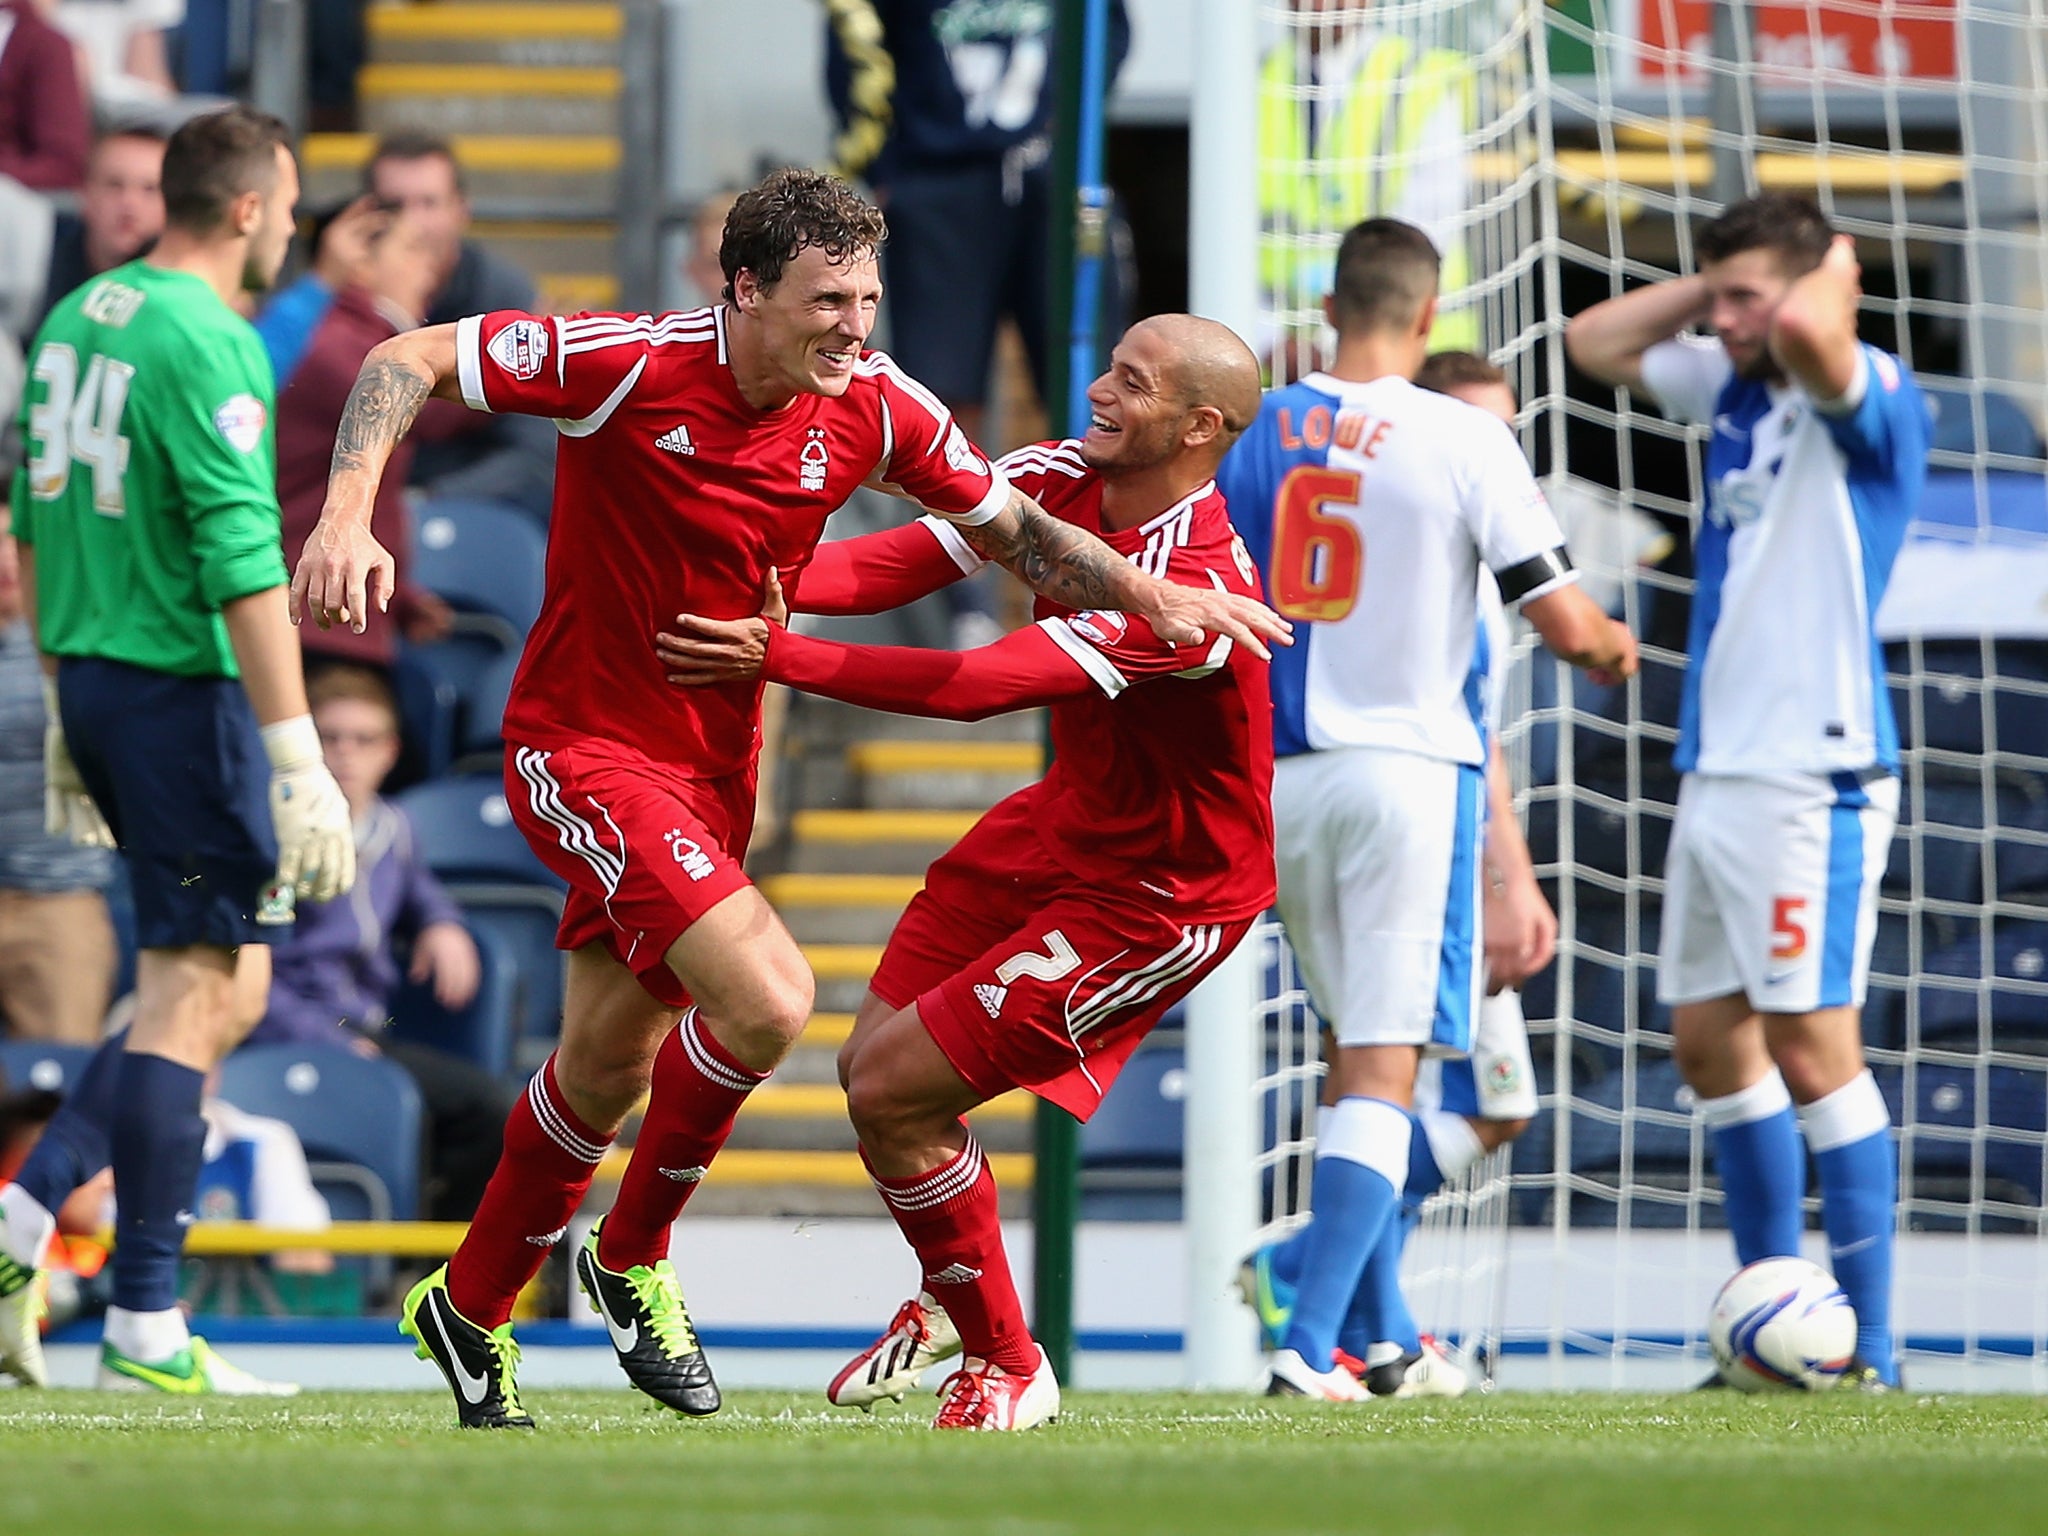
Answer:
x=781 y=1465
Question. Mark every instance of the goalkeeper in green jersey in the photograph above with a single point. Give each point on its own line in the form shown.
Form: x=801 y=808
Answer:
x=178 y=729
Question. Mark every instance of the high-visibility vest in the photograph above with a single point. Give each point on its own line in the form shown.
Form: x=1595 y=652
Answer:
x=1322 y=185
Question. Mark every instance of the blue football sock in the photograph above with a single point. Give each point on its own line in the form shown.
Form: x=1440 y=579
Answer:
x=1762 y=1165
x=1287 y=1254
x=1850 y=1132
x=75 y=1146
x=1361 y=1163
x=1379 y=1309
x=159 y=1140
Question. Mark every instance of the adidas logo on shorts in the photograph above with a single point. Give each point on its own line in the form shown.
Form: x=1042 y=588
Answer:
x=991 y=998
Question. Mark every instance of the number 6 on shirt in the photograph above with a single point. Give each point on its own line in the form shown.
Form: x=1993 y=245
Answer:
x=1318 y=560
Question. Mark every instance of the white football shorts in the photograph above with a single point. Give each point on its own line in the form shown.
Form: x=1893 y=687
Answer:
x=1770 y=889
x=1498 y=1080
x=1379 y=856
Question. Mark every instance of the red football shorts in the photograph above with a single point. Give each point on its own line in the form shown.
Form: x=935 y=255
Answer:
x=1030 y=976
x=646 y=851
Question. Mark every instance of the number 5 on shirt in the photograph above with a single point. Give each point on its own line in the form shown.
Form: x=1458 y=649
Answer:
x=1318 y=560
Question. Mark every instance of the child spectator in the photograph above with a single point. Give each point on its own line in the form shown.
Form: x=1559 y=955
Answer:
x=334 y=979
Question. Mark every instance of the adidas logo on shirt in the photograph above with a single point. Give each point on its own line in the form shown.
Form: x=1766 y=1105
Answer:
x=677 y=440
x=991 y=998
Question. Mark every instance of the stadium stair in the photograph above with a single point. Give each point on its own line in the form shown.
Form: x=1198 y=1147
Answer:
x=530 y=94
x=877 y=799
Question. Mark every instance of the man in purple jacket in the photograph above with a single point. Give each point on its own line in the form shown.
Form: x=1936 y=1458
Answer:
x=332 y=982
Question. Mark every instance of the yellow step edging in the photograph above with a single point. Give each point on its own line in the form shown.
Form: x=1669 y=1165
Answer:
x=487 y=80
x=843 y=962
x=1840 y=170
x=803 y=1101
x=494 y=22
x=578 y=290
x=822 y=826
x=564 y=153
x=398 y=1239
x=830 y=1170
x=812 y=890
x=828 y=1029
x=946 y=756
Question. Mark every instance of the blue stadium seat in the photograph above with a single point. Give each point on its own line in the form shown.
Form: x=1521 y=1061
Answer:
x=468 y=840
x=359 y=1118
x=1954 y=676
x=40 y=1064
x=428 y=706
x=1949 y=838
x=482 y=558
x=1953 y=1112
x=2007 y=430
x=452 y=677
x=466 y=834
x=486 y=1030
x=1602 y=817
x=1131 y=1148
x=485 y=717
x=1952 y=982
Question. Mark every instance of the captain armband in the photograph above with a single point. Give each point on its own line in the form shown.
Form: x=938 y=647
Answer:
x=1534 y=574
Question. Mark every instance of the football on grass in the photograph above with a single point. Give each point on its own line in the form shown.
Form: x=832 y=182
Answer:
x=1782 y=1325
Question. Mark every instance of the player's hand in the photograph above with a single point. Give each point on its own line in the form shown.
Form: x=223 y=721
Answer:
x=68 y=810
x=722 y=650
x=342 y=571
x=445 y=955
x=316 y=843
x=1841 y=263
x=1521 y=934
x=1182 y=615
x=1625 y=662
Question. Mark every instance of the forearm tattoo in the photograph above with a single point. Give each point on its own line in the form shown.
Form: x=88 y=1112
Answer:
x=381 y=409
x=1053 y=558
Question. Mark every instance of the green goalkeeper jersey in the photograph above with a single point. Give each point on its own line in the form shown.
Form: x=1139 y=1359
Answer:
x=150 y=491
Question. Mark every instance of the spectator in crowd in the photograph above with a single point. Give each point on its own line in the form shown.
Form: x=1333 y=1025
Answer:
x=45 y=129
x=120 y=212
x=123 y=47
x=334 y=980
x=707 y=230
x=385 y=273
x=945 y=111
x=507 y=458
x=57 y=952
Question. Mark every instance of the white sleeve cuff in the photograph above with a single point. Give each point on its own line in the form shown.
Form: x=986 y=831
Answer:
x=1556 y=583
x=1093 y=662
x=985 y=510
x=469 y=361
x=950 y=541
x=1846 y=403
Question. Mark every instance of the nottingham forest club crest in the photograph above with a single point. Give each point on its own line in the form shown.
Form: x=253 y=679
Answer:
x=811 y=463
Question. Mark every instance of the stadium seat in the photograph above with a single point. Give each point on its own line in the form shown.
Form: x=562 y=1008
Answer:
x=468 y=840
x=1131 y=1148
x=485 y=1031
x=1950 y=689
x=428 y=706
x=482 y=558
x=2007 y=428
x=481 y=743
x=451 y=679
x=1952 y=987
x=1603 y=817
x=1949 y=836
x=1955 y=1112
x=359 y=1118
x=41 y=1064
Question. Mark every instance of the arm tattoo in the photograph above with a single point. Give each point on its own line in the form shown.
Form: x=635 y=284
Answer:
x=1056 y=559
x=381 y=408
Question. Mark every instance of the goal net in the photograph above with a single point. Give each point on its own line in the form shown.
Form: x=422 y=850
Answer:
x=1566 y=152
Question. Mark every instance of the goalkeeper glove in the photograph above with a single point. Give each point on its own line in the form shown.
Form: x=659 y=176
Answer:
x=68 y=810
x=316 y=843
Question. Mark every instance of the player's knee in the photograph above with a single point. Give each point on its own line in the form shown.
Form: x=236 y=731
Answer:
x=1495 y=1134
x=1811 y=1071
x=880 y=1114
x=1700 y=1057
x=603 y=1084
x=765 y=1030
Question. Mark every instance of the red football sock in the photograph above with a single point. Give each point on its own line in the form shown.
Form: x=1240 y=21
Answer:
x=549 y=1159
x=698 y=1089
x=950 y=1217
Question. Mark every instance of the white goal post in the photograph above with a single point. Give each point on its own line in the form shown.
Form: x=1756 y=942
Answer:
x=1600 y=134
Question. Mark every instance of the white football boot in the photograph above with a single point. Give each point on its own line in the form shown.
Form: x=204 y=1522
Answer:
x=920 y=1336
x=984 y=1396
x=1289 y=1375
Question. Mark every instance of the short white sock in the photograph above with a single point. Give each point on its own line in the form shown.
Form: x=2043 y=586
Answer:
x=1854 y=1111
x=1370 y=1132
x=1453 y=1143
x=1386 y=1352
x=1765 y=1097
x=26 y=1226
x=147 y=1336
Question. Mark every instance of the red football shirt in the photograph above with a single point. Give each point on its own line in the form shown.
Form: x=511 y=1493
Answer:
x=1170 y=785
x=673 y=495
